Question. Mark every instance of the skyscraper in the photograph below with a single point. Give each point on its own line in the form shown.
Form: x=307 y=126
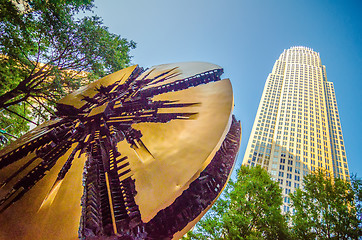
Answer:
x=297 y=127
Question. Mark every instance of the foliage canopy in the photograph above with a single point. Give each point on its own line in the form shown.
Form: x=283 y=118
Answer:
x=326 y=208
x=248 y=209
x=46 y=52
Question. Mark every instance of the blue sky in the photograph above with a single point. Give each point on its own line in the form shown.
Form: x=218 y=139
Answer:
x=246 y=38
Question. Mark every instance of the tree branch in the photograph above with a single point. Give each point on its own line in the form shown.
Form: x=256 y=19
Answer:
x=16 y=101
x=17 y=114
x=52 y=113
x=36 y=109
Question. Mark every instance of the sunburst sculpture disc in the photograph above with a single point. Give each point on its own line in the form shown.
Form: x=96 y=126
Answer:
x=138 y=154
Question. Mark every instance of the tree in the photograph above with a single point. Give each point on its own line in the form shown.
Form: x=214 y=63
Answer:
x=356 y=184
x=325 y=208
x=45 y=53
x=248 y=209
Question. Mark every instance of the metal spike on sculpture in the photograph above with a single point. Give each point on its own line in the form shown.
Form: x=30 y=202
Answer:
x=138 y=154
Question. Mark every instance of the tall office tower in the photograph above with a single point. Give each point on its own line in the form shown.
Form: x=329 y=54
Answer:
x=297 y=128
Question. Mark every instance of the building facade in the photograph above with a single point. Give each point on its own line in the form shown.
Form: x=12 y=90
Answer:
x=297 y=128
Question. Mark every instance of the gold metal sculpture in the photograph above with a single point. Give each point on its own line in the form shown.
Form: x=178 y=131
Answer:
x=138 y=154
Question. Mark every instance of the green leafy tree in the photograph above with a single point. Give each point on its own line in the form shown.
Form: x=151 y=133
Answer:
x=325 y=209
x=248 y=209
x=46 y=52
x=356 y=184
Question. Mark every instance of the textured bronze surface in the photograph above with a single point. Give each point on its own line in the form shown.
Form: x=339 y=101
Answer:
x=139 y=154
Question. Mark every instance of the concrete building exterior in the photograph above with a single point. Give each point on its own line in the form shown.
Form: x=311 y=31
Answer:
x=297 y=127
